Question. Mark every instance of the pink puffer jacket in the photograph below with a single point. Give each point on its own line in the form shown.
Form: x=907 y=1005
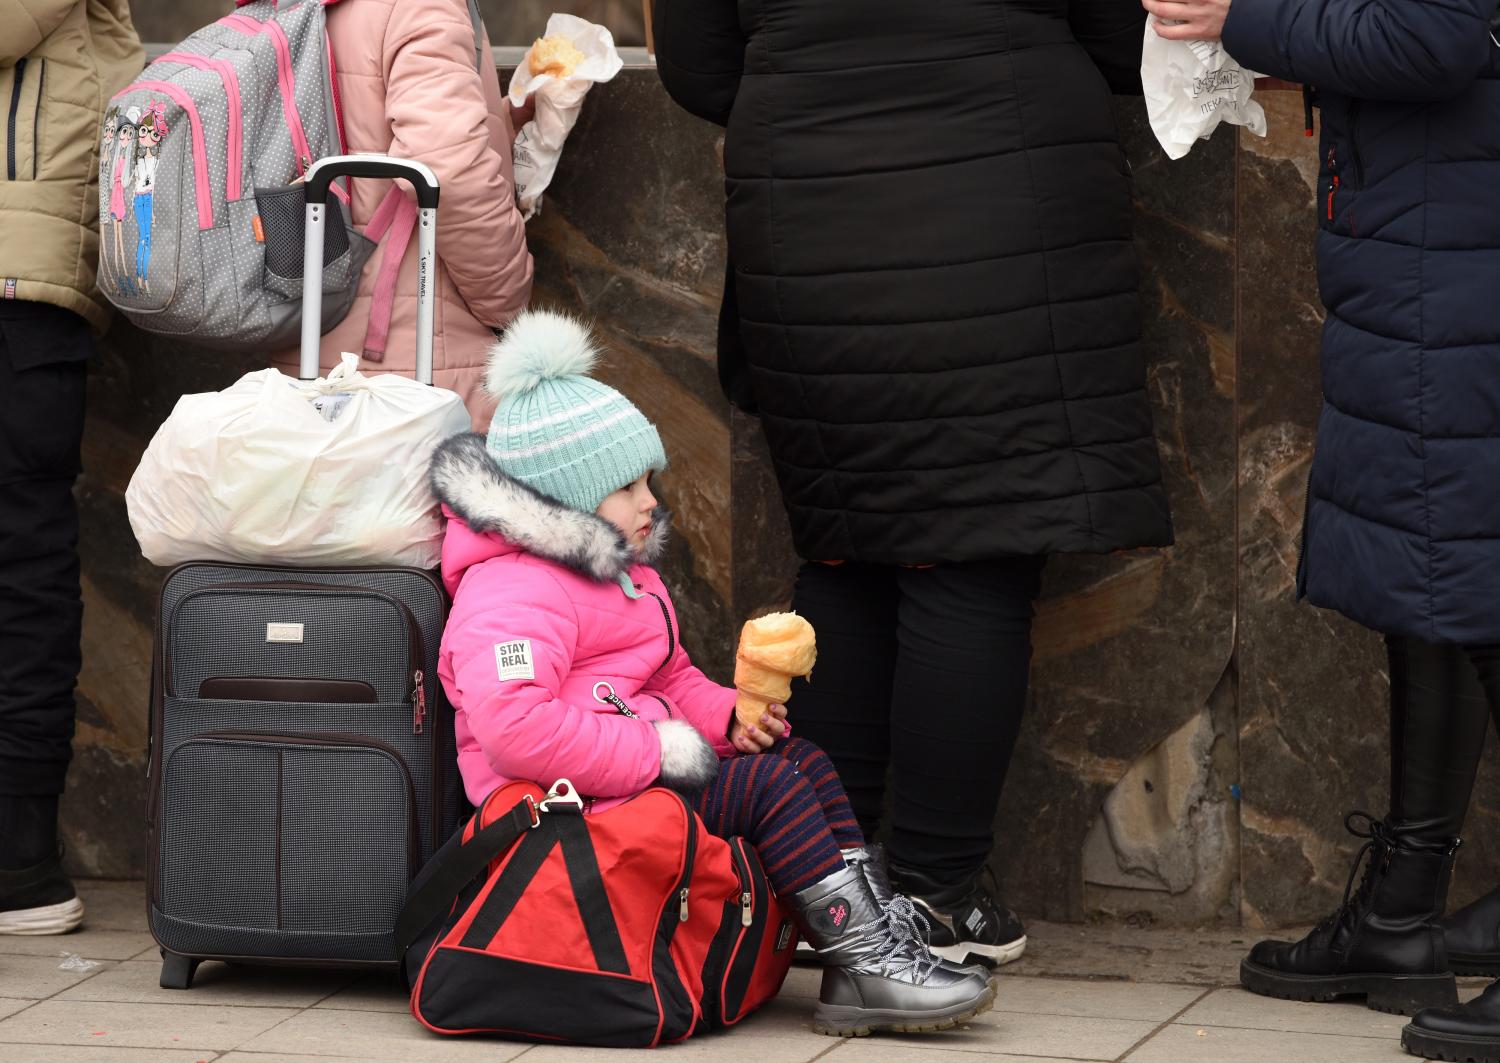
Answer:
x=541 y=621
x=408 y=86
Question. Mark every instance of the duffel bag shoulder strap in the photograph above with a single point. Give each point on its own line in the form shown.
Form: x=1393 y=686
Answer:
x=454 y=866
x=564 y=826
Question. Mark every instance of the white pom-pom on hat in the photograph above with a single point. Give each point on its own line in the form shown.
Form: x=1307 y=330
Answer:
x=538 y=345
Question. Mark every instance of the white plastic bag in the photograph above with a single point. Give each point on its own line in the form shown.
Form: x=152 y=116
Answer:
x=1192 y=86
x=273 y=470
x=539 y=144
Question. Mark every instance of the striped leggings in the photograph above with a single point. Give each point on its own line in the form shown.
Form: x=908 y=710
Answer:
x=789 y=803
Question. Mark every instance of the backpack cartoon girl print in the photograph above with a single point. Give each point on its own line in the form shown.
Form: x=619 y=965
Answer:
x=106 y=155
x=114 y=175
x=149 y=134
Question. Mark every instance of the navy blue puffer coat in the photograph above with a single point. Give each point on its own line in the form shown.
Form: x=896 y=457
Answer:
x=1403 y=521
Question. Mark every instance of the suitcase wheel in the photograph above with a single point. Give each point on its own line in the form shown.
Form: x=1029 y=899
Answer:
x=177 y=970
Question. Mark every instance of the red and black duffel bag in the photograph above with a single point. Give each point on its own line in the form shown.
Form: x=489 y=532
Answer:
x=627 y=928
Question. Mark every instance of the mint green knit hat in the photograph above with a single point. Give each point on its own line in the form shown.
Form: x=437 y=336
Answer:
x=557 y=429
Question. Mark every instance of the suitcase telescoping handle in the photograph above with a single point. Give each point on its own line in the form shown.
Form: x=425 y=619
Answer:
x=318 y=179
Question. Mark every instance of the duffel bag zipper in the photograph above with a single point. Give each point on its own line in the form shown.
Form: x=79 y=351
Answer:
x=739 y=951
x=689 y=856
x=687 y=868
x=747 y=893
x=339 y=739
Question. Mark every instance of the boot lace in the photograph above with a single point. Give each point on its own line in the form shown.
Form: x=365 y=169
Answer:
x=907 y=954
x=1376 y=834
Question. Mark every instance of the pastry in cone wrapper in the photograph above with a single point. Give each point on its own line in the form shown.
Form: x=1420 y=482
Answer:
x=774 y=649
x=554 y=55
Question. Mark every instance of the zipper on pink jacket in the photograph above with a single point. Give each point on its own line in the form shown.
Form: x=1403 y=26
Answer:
x=236 y=153
x=251 y=27
x=200 y=156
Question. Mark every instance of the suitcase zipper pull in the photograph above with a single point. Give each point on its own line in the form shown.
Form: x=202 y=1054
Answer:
x=682 y=905
x=747 y=909
x=418 y=702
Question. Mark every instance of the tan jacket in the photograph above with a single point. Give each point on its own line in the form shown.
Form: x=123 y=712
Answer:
x=60 y=62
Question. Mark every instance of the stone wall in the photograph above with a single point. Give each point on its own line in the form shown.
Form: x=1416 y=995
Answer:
x=506 y=21
x=1194 y=737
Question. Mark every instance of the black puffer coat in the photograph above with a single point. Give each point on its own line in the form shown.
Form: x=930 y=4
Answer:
x=929 y=220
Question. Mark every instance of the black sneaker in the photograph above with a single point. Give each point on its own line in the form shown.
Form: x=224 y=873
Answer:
x=39 y=900
x=967 y=921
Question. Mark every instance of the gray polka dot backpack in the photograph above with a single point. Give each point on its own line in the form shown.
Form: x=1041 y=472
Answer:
x=200 y=201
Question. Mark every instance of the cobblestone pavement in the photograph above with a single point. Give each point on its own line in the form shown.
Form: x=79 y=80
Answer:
x=1081 y=993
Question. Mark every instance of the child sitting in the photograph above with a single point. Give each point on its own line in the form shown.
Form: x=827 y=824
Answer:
x=562 y=660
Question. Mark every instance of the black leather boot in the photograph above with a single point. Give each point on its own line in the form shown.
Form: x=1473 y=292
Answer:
x=1384 y=942
x=1473 y=937
x=1467 y=1033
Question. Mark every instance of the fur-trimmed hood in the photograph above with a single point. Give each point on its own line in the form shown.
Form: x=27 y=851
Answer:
x=466 y=479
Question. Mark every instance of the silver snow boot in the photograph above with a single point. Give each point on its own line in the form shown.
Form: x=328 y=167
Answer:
x=870 y=860
x=878 y=973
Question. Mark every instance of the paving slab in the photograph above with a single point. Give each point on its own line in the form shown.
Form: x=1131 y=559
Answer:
x=1140 y=954
x=1246 y=1011
x=96 y=1054
x=271 y=1057
x=39 y=977
x=89 y=943
x=1082 y=993
x=1094 y=999
x=803 y=980
x=11 y=1005
x=156 y=1026
x=215 y=983
x=877 y=1050
x=1007 y=1032
x=371 y=992
x=1203 y=1044
x=372 y=1035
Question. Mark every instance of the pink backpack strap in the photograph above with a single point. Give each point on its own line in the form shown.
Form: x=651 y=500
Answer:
x=393 y=221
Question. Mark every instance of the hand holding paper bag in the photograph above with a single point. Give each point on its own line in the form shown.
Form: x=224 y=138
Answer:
x=1193 y=85
x=556 y=74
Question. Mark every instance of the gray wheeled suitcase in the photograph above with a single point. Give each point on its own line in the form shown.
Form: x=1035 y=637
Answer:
x=302 y=752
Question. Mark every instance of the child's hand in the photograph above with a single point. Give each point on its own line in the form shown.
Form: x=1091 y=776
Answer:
x=758 y=739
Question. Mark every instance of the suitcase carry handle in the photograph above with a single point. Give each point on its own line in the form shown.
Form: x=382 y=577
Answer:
x=318 y=179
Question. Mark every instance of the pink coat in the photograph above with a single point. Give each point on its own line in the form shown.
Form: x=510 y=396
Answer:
x=540 y=618
x=408 y=86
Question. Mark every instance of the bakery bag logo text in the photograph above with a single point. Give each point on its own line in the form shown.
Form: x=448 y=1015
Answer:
x=1216 y=81
x=513 y=660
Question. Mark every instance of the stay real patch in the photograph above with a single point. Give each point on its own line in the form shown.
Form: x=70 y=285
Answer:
x=513 y=660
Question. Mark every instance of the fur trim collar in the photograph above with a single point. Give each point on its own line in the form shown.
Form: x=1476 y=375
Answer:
x=466 y=479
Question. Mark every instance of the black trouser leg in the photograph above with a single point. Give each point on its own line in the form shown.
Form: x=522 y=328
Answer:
x=1386 y=941
x=1471 y=934
x=960 y=689
x=1439 y=716
x=846 y=708
x=41 y=425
